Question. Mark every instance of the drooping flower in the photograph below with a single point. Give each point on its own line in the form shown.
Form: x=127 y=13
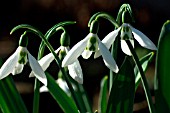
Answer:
x=127 y=32
x=91 y=43
x=62 y=84
x=74 y=69
x=15 y=64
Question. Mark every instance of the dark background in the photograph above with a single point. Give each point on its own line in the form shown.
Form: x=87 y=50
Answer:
x=43 y=14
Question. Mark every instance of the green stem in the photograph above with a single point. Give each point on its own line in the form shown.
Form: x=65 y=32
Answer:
x=40 y=55
x=58 y=61
x=65 y=75
x=103 y=15
x=36 y=96
x=143 y=78
x=114 y=54
x=84 y=98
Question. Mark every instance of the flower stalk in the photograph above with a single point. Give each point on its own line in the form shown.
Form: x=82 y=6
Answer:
x=49 y=33
x=143 y=78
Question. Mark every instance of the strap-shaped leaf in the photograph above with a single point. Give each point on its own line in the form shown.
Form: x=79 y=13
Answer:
x=66 y=103
x=162 y=80
x=123 y=90
x=10 y=99
x=145 y=60
x=103 y=95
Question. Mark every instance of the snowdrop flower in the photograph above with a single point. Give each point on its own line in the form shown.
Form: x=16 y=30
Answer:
x=15 y=63
x=91 y=43
x=62 y=84
x=75 y=70
x=126 y=31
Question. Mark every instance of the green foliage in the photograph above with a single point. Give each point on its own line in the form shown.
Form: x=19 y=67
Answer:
x=162 y=77
x=65 y=102
x=123 y=90
x=145 y=60
x=11 y=100
x=103 y=95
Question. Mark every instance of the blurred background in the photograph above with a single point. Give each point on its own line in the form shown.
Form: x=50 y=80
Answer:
x=43 y=14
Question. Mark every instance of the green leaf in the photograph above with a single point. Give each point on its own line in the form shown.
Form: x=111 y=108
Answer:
x=162 y=77
x=103 y=95
x=11 y=101
x=66 y=103
x=122 y=94
x=145 y=60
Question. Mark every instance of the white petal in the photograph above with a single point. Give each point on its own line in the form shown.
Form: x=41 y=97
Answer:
x=9 y=65
x=46 y=61
x=125 y=47
x=18 y=68
x=110 y=38
x=75 y=72
x=43 y=89
x=75 y=52
x=86 y=54
x=97 y=54
x=143 y=40
x=37 y=70
x=63 y=85
x=108 y=41
x=107 y=57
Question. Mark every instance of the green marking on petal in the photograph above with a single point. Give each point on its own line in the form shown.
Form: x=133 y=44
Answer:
x=92 y=44
x=62 y=54
x=22 y=57
x=126 y=33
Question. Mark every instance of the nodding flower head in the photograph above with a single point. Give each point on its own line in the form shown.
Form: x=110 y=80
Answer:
x=15 y=64
x=91 y=43
x=127 y=32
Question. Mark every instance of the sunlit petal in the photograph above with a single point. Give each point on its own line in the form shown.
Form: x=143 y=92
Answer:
x=143 y=40
x=108 y=41
x=86 y=54
x=125 y=47
x=43 y=89
x=46 y=61
x=75 y=52
x=9 y=65
x=18 y=68
x=110 y=38
x=97 y=54
x=107 y=57
x=75 y=72
x=63 y=85
x=37 y=70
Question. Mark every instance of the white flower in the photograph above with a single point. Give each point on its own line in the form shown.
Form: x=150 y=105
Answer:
x=74 y=69
x=62 y=84
x=126 y=34
x=15 y=63
x=91 y=43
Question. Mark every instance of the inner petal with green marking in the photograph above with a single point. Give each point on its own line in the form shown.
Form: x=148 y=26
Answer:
x=22 y=57
x=126 y=33
x=92 y=44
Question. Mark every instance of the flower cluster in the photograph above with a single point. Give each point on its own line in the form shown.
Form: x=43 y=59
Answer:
x=91 y=43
